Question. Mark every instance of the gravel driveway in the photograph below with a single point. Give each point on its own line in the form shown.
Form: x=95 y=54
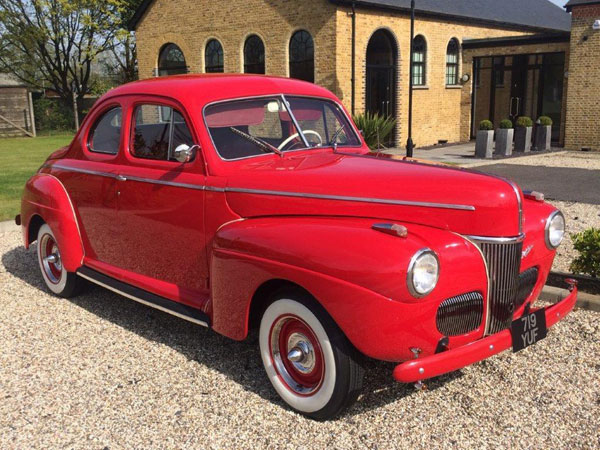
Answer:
x=100 y=371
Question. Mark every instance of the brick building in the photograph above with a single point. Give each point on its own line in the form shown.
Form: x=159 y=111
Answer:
x=473 y=59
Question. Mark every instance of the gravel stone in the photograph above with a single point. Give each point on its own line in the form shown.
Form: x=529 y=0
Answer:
x=101 y=371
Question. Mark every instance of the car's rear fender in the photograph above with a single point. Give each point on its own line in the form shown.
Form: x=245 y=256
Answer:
x=46 y=200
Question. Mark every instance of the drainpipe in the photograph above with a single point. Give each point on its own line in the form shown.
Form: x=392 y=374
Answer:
x=353 y=55
x=409 y=142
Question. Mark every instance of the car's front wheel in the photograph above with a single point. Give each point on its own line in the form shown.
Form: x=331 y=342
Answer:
x=309 y=361
x=56 y=277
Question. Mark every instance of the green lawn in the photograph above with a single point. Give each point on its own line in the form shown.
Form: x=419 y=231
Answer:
x=19 y=159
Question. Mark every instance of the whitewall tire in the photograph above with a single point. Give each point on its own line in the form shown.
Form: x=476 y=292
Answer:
x=57 y=279
x=310 y=363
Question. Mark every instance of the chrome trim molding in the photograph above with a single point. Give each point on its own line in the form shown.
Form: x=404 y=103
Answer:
x=496 y=240
x=487 y=273
x=139 y=300
x=383 y=201
x=350 y=198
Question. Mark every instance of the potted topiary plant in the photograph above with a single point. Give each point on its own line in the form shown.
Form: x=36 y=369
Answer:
x=523 y=128
x=504 y=138
x=543 y=134
x=484 y=145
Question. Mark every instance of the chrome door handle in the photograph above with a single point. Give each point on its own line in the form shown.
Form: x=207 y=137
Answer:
x=121 y=178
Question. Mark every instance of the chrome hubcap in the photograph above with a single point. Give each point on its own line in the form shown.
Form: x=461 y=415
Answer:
x=296 y=355
x=50 y=256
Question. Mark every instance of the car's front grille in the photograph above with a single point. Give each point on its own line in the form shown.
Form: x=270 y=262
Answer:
x=527 y=282
x=503 y=260
x=460 y=314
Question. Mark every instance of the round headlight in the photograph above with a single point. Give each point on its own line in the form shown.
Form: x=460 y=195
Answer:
x=423 y=273
x=555 y=229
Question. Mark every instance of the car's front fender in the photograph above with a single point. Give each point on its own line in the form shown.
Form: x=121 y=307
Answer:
x=356 y=273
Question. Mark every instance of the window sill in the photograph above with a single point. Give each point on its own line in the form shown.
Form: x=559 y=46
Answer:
x=420 y=88
x=454 y=86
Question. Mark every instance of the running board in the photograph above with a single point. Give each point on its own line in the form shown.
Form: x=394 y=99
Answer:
x=146 y=298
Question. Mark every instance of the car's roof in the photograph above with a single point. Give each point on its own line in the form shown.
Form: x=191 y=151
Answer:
x=206 y=88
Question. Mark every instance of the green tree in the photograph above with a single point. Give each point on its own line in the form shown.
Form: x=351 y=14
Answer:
x=56 y=43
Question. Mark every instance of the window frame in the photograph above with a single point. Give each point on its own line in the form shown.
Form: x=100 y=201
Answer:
x=161 y=102
x=284 y=96
x=264 y=55
x=422 y=64
x=308 y=61
x=222 y=66
x=97 y=116
x=177 y=69
x=455 y=65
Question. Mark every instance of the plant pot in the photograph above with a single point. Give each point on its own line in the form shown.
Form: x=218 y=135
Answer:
x=484 y=145
x=523 y=139
x=504 y=141
x=543 y=135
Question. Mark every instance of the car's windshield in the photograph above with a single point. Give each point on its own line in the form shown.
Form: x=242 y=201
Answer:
x=243 y=128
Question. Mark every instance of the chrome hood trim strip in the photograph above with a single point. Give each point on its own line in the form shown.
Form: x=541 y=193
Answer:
x=345 y=198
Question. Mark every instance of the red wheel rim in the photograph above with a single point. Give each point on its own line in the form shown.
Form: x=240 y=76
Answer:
x=297 y=355
x=50 y=258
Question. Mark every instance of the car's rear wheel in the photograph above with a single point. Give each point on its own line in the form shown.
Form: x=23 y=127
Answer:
x=309 y=361
x=56 y=277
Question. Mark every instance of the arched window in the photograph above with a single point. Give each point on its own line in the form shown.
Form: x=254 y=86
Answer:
x=419 y=61
x=302 y=56
x=452 y=63
x=213 y=57
x=254 y=55
x=171 y=61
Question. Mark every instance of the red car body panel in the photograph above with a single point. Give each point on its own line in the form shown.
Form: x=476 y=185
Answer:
x=210 y=233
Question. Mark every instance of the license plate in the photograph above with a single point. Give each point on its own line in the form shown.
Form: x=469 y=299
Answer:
x=529 y=329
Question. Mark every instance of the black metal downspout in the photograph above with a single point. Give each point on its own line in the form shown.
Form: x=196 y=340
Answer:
x=353 y=56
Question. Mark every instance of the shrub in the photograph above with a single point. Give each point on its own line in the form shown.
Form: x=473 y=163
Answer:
x=524 y=122
x=52 y=115
x=545 y=121
x=506 y=124
x=375 y=128
x=486 y=125
x=587 y=243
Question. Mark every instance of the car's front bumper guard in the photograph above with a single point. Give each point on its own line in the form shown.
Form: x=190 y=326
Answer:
x=457 y=358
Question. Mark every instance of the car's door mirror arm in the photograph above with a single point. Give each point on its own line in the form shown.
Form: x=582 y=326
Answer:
x=184 y=153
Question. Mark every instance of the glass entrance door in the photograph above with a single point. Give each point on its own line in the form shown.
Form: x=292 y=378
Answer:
x=507 y=87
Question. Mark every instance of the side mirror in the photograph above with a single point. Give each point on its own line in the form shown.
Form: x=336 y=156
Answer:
x=184 y=153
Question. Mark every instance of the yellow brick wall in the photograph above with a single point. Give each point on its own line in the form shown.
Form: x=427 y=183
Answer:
x=437 y=110
x=191 y=24
x=440 y=113
x=583 y=102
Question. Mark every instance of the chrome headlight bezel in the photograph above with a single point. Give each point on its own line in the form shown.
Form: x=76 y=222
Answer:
x=414 y=261
x=549 y=222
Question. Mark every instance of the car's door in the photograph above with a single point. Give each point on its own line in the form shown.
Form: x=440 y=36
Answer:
x=161 y=204
x=91 y=183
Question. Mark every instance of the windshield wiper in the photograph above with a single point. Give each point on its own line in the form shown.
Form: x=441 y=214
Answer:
x=263 y=145
x=333 y=141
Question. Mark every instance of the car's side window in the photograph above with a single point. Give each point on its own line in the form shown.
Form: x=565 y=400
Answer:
x=157 y=131
x=105 y=135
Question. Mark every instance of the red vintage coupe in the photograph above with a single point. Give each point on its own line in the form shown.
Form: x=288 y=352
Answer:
x=240 y=202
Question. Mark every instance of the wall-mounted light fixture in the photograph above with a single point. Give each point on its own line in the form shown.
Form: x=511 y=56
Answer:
x=465 y=78
x=596 y=25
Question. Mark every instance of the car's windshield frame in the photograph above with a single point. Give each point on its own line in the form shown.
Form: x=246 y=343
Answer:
x=282 y=97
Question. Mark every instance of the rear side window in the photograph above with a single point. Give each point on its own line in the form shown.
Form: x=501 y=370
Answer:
x=105 y=135
x=158 y=131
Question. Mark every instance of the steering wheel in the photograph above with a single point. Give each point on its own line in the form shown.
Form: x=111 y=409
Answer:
x=297 y=135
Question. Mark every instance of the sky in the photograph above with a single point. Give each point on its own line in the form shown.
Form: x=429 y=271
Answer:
x=560 y=3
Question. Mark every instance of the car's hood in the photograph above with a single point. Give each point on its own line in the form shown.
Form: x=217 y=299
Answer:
x=326 y=183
